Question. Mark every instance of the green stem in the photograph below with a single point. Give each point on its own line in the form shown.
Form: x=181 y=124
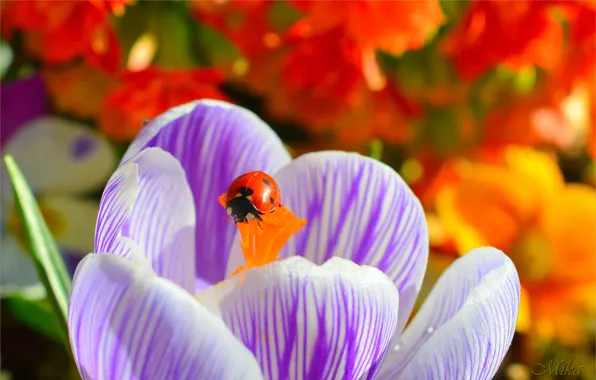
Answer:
x=46 y=256
x=376 y=149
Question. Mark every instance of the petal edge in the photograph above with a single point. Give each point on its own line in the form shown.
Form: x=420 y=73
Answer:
x=466 y=325
x=127 y=323
x=304 y=321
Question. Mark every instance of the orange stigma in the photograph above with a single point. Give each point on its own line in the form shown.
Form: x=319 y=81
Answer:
x=261 y=244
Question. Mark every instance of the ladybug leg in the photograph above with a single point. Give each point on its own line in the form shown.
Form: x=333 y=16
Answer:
x=259 y=220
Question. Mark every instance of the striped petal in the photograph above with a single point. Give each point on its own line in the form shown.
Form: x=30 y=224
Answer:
x=148 y=201
x=304 y=321
x=465 y=327
x=359 y=209
x=215 y=142
x=127 y=323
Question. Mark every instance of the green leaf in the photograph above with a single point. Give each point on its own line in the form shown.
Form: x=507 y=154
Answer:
x=172 y=28
x=216 y=49
x=38 y=315
x=282 y=16
x=45 y=253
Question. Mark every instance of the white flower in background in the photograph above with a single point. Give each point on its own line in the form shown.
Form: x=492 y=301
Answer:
x=63 y=161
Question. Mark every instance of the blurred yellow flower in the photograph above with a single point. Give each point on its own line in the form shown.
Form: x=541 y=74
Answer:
x=520 y=204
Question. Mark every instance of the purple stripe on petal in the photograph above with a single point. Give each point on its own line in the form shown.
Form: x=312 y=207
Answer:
x=148 y=201
x=126 y=323
x=304 y=321
x=465 y=327
x=21 y=102
x=215 y=142
x=359 y=209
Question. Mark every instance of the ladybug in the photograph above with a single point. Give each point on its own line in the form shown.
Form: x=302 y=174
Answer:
x=252 y=195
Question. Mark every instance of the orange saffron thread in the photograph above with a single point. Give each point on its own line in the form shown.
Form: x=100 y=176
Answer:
x=261 y=244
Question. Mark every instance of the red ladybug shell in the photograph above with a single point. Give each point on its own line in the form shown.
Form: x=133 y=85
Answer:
x=265 y=192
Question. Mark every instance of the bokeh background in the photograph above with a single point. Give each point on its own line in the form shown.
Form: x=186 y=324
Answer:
x=486 y=109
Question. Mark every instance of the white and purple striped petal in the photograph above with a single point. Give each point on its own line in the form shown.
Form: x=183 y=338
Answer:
x=127 y=323
x=148 y=201
x=304 y=321
x=359 y=209
x=215 y=142
x=466 y=325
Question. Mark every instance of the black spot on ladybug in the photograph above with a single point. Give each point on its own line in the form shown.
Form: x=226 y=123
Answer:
x=245 y=192
x=145 y=122
x=266 y=182
x=271 y=200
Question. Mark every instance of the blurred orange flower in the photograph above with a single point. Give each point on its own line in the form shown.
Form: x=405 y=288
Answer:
x=78 y=90
x=386 y=115
x=427 y=173
x=521 y=205
x=145 y=94
x=493 y=32
x=392 y=26
x=61 y=31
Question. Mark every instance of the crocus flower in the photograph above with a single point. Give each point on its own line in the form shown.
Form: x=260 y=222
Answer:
x=158 y=299
x=62 y=160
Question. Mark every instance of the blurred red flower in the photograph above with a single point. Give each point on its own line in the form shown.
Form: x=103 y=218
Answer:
x=245 y=23
x=145 y=94
x=392 y=26
x=309 y=78
x=560 y=109
x=493 y=32
x=324 y=75
x=324 y=64
x=61 y=31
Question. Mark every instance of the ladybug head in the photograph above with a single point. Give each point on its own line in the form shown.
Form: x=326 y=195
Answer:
x=242 y=210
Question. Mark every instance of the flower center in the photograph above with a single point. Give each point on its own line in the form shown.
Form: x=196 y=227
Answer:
x=261 y=243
